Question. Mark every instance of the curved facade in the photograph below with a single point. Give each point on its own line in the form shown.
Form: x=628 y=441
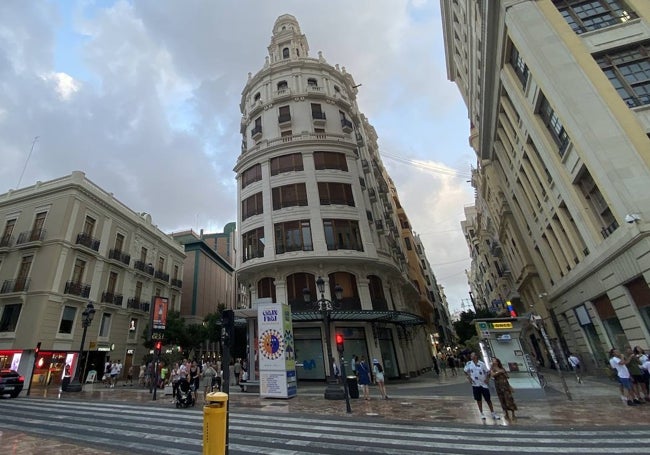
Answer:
x=314 y=200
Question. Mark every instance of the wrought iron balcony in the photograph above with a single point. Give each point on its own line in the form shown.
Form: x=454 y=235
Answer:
x=372 y=194
x=77 y=288
x=160 y=275
x=115 y=299
x=6 y=241
x=177 y=283
x=119 y=256
x=379 y=225
x=17 y=285
x=319 y=118
x=146 y=268
x=87 y=241
x=284 y=119
x=136 y=304
x=35 y=235
x=256 y=133
x=346 y=125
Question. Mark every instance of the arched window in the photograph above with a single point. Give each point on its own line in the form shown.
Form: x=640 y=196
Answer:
x=285 y=52
x=266 y=288
x=296 y=284
x=282 y=85
x=348 y=282
x=377 y=296
x=257 y=97
x=311 y=82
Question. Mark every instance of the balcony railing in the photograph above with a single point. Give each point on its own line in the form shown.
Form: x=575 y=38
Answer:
x=372 y=194
x=136 y=304
x=284 y=118
x=35 y=235
x=319 y=118
x=347 y=125
x=115 y=299
x=160 y=275
x=87 y=241
x=256 y=132
x=6 y=241
x=146 y=268
x=119 y=256
x=76 y=288
x=177 y=283
x=17 y=285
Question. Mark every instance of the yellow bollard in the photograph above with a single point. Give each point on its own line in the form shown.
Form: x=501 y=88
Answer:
x=214 y=423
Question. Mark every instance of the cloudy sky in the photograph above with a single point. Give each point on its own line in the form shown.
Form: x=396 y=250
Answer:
x=143 y=95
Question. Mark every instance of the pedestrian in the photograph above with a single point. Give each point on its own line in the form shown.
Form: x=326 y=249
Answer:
x=645 y=366
x=451 y=363
x=478 y=375
x=231 y=373
x=207 y=377
x=503 y=387
x=435 y=365
x=175 y=377
x=574 y=361
x=115 y=371
x=619 y=362
x=363 y=371
x=141 y=375
x=194 y=374
x=336 y=372
x=378 y=371
x=442 y=362
x=353 y=364
x=129 y=376
x=237 y=371
x=636 y=374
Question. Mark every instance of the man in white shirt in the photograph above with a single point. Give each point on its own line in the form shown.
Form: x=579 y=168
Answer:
x=575 y=364
x=478 y=375
x=618 y=362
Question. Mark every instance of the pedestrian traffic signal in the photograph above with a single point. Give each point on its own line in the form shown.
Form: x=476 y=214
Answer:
x=339 y=342
x=158 y=347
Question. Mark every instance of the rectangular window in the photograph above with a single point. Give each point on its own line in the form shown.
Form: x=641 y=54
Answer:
x=253 y=244
x=286 y=163
x=67 y=318
x=89 y=226
x=521 y=70
x=330 y=160
x=284 y=114
x=138 y=290
x=37 y=227
x=289 y=196
x=334 y=193
x=8 y=232
x=9 y=319
x=629 y=72
x=143 y=254
x=23 y=273
x=119 y=242
x=105 y=326
x=161 y=264
x=175 y=276
x=317 y=112
x=252 y=206
x=256 y=132
x=342 y=235
x=112 y=282
x=407 y=241
x=586 y=15
x=251 y=175
x=554 y=125
x=293 y=236
x=78 y=271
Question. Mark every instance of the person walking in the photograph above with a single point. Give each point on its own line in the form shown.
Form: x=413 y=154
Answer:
x=451 y=363
x=237 y=371
x=479 y=376
x=363 y=371
x=378 y=372
x=207 y=378
x=503 y=387
x=574 y=361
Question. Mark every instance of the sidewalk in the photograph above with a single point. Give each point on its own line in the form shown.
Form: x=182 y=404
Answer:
x=429 y=398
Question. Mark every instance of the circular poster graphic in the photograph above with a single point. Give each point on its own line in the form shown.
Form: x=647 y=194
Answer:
x=272 y=344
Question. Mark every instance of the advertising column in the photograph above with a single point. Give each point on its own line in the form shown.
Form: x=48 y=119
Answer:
x=276 y=351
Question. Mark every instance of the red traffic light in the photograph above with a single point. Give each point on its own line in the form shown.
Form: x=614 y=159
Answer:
x=38 y=348
x=158 y=345
x=339 y=342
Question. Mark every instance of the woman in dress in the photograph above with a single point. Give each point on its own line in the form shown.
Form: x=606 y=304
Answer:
x=363 y=370
x=504 y=391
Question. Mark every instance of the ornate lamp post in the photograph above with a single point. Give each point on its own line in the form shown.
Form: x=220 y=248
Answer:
x=325 y=306
x=88 y=315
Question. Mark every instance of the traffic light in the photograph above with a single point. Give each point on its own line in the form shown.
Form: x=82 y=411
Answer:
x=339 y=342
x=38 y=348
x=158 y=347
x=227 y=327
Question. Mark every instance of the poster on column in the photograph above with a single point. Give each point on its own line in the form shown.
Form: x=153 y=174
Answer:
x=276 y=351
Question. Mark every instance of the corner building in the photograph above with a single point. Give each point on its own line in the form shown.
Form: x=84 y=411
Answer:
x=315 y=201
x=558 y=96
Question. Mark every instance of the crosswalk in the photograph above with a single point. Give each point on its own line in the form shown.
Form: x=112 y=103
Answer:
x=141 y=429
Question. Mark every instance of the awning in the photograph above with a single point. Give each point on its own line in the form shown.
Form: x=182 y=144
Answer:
x=391 y=317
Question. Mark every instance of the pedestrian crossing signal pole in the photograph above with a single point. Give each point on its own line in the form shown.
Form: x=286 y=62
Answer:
x=340 y=344
x=535 y=319
x=227 y=340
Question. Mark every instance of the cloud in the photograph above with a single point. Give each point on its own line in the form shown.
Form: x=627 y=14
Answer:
x=144 y=97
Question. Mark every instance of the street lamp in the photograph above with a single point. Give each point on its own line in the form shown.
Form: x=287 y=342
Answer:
x=88 y=315
x=325 y=306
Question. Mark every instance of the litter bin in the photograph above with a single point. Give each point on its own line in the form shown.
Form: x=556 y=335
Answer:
x=353 y=387
x=214 y=423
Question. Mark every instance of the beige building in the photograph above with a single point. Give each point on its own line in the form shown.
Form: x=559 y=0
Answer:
x=65 y=243
x=558 y=95
x=316 y=201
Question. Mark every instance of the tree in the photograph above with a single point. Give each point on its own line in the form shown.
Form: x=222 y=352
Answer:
x=464 y=327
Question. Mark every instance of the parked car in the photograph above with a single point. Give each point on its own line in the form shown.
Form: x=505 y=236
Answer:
x=11 y=383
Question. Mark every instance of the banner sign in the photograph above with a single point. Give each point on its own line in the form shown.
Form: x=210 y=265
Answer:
x=276 y=345
x=160 y=307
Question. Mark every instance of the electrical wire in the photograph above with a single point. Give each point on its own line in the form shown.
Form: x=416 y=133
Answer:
x=427 y=167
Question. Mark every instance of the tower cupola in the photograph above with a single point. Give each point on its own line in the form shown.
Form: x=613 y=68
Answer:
x=287 y=42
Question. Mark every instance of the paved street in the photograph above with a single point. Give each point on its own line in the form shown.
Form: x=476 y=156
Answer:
x=425 y=415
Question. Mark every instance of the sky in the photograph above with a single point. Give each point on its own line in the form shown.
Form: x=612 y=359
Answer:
x=143 y=96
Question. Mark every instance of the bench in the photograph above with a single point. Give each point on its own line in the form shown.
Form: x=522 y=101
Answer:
x=247 y=385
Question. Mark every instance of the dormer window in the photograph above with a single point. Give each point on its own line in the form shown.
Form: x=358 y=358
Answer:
x=285 y=52
x=311 y=82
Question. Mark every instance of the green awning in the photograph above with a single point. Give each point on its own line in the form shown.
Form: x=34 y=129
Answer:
x=392 y=317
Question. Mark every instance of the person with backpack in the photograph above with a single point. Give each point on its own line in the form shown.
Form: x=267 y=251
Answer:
x=378 y=372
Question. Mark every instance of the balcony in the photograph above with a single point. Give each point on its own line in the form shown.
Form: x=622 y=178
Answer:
x=136 y=304
x=284 y=120
x=17 y=285
x=119 y=256
x=35 y=235
x=109 y=297
x=256 y=133
x=359 y=138
x=346 y=125
x=372 y=194
x=78 y=289
x=177 y=283
x=162 y=276
x=144 y=268
x=87 y=241
x=379 y=225
x=318 y=118
x=6 y=241
x=365 y=166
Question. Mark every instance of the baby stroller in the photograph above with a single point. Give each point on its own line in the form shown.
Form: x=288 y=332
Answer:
x=185 y=394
